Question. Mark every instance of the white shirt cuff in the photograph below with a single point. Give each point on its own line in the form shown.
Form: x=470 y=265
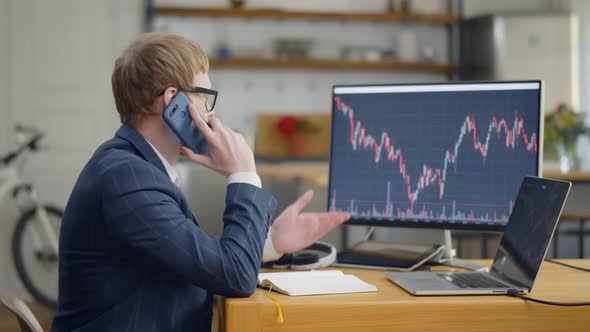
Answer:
x=269 y=253
x=245 y=177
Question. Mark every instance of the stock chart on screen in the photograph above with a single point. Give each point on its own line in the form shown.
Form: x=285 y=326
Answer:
x=447 y=153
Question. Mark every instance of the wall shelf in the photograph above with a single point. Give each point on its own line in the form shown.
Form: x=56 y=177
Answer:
x=307 y=15
x=331 y=65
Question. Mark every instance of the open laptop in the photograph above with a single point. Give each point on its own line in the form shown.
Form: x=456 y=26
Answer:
x=523 y=247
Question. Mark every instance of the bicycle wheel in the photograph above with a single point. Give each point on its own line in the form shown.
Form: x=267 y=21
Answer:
x=36 y=267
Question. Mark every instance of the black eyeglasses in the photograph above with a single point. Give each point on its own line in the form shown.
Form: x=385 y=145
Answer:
x=210 y=95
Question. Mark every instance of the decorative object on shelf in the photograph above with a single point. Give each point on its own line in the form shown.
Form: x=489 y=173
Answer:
x=252 y=53
x=563 y=128
x=222 y=51
x=427 y=54
x=405 y=6
x=296 y=131
x=402 y=6
x=314 y=140
x=237 y=3
x=407 y=45
x=429 y=6
x=389 y=55
x=391 y=6
x=357 y=53
x=291 y=48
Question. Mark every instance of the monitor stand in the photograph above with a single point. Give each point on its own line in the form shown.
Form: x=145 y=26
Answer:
x=450 y=253
x=414 y=236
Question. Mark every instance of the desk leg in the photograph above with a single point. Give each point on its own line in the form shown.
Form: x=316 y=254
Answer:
x=484 y=246
x=218 y=314
x=581 y=237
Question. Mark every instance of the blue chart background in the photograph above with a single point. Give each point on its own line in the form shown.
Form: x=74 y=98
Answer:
x=424 y=126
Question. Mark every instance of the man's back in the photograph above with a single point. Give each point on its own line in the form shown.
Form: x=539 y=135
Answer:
x=132 y=257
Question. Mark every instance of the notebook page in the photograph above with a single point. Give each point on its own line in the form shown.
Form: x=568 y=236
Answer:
x=326 y=284
x=297 y=274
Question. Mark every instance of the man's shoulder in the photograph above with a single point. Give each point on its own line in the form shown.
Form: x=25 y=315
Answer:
x=115 y=156
x=112 y=153
x=119 y=164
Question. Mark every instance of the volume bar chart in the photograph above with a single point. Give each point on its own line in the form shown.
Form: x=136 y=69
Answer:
x=388 y=211
x=403 y=159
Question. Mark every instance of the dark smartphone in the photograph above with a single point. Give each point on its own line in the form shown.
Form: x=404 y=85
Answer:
x=177 y=116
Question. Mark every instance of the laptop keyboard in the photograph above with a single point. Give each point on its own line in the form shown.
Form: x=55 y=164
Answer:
x=471 y=280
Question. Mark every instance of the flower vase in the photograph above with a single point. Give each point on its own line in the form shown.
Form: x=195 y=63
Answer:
x=567 y=154
x=297 y=145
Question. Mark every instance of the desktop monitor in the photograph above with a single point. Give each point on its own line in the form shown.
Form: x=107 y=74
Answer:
x=446 y=155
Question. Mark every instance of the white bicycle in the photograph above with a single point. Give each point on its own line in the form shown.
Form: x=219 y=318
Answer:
x=36 y=234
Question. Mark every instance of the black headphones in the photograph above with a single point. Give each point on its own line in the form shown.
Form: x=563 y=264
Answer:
x=317 y=255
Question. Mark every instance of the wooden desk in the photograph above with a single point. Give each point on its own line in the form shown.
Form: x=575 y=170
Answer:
x=393 y=309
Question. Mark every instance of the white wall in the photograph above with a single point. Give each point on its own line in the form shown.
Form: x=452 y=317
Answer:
x=56 y=60
x=4 y=61
x=4 y=125
x=62 y=55
x=582 y=9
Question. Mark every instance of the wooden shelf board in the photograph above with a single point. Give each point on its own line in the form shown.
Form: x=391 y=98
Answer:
x=331 y=65
x=305 y=15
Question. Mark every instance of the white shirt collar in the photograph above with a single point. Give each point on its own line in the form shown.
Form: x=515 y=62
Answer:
x=172 y=173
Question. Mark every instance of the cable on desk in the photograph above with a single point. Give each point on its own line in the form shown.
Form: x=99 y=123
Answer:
x=515 y=293
x=567 y=265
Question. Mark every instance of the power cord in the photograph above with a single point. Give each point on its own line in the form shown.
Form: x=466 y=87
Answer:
x=567 y=265
x=515 y=293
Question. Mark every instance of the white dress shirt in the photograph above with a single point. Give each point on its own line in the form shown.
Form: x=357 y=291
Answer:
x=252 y=178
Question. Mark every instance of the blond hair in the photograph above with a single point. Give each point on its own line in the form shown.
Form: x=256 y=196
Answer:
x=149 y=64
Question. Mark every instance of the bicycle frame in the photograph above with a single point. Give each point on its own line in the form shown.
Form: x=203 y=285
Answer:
x=10 y=180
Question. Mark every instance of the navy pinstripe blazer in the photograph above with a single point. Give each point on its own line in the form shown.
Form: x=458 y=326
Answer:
x=132 y=256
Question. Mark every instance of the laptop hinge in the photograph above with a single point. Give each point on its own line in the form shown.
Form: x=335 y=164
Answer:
x=513 y=282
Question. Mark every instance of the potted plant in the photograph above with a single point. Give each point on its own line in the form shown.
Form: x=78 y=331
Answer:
x=563 y=127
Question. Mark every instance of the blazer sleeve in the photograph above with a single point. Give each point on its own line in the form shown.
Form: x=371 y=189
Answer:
x=143 y=217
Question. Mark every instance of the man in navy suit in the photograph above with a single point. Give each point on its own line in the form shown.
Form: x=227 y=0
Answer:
x=132 y=257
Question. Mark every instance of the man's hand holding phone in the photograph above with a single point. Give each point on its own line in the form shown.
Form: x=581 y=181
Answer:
x=228 y=151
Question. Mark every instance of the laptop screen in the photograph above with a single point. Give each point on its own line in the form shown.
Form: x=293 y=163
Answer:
x=529 y=229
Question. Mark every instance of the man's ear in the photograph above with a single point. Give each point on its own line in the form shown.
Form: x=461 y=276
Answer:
x=168 y=94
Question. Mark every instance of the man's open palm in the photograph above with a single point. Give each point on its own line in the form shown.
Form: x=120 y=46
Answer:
x=294 y=230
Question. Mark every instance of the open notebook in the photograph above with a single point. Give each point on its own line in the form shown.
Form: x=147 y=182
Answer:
x=314 y=283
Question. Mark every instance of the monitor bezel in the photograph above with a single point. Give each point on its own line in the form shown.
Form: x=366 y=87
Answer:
x=432 y=223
